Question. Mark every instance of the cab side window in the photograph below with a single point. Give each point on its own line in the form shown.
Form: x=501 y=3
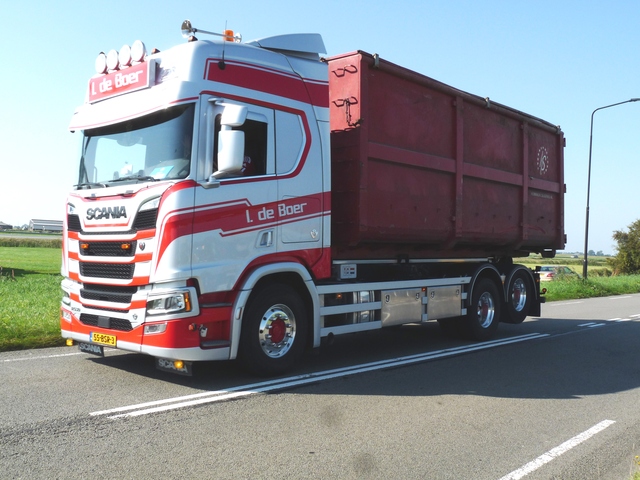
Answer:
x=256 y=145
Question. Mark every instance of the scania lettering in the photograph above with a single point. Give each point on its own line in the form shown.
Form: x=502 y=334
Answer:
x=106 y=212
x=246 y=200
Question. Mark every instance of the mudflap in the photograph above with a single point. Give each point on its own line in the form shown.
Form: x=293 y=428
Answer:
x=91 y=348
x=172 y=366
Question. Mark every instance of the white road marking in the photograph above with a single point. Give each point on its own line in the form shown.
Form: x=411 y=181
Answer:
x=587 y=324
x=267 y=386
x=24 y=359
x=107 y=352
x=556 y=452
x=559 y=304
x=619 y=298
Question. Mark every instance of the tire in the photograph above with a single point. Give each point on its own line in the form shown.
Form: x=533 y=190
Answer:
x=483 y=314
x=519 y=297
x=274 y=331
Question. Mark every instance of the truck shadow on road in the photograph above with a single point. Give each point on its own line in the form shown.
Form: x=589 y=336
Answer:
x=576 y=358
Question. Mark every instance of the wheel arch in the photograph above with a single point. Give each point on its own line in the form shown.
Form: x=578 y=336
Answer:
x=511 y=273
x=292 y=274
x=490 y=272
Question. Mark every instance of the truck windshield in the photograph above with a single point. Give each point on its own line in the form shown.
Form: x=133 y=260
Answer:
x=150 y=148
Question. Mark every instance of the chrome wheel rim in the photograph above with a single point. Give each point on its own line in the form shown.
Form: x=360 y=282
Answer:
x=486 y=310
x=519 y=295
x=277 y=331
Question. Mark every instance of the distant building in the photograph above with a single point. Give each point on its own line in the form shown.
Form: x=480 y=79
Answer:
x=5 y=226
x=45 y=225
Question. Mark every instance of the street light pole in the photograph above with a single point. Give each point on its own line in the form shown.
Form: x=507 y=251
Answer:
x=585 y=261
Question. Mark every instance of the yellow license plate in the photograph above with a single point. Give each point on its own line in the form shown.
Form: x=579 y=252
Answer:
x=103 y=339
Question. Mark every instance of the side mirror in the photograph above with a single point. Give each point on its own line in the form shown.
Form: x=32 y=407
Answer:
x=230 y=152
x=233 y=115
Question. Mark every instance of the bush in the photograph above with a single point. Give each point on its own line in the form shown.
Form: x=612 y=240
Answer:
x=31 y=242
x=627 y=260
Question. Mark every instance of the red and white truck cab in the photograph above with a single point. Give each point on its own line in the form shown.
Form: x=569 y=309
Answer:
x=201 y=225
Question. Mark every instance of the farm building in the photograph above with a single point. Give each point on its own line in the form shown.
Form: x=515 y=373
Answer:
x=45 y=225
x=5 y=226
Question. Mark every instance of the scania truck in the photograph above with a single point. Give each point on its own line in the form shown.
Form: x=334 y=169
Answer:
x=246 y=200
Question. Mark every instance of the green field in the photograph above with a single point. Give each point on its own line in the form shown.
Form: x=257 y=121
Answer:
x=30 y=290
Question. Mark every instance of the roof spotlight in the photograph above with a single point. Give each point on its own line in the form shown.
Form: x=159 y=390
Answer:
x=101 y=63
x=138 y=51
x=187 y=29
x=124 y=57
x=112 y=60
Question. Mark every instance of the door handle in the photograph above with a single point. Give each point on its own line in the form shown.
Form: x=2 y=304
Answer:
x=265 y=239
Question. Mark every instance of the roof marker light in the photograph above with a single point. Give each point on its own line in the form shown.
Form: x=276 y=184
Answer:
x=189 y=30
x=101 y=63
x=124 y=57
x=112 y=60
x=138 y=51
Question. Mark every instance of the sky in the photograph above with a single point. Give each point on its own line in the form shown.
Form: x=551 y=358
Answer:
x=557 y=60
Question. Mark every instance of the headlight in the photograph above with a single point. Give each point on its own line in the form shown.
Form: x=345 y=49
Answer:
x=150 y=204
x=174 y=302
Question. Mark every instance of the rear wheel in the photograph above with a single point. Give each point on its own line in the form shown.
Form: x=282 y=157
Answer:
x=520 y=296
x=483 y=314
x=274 y=330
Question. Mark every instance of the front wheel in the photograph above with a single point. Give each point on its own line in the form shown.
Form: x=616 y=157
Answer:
x=274 y=330
x=483 y=314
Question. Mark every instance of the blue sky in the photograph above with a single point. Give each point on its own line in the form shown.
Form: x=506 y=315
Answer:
x=558 y=60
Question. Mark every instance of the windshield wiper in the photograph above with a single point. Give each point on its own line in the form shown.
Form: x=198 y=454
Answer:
x=140 y=178
x=90 y=185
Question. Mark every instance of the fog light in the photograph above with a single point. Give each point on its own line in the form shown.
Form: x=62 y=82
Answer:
x=155 y=328
x=69 y=342
x=179 y=364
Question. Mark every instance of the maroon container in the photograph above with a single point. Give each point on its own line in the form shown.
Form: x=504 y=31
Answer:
x=423 y=170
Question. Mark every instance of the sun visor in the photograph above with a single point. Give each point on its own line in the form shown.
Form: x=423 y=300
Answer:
x=125 y=107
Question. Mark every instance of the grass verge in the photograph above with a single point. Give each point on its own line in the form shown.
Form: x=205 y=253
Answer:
x=573 y=288
x=30 y=293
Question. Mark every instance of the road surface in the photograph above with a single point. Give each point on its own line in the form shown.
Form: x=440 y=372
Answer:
x=554 y=397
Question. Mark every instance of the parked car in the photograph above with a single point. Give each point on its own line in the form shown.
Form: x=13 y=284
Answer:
x=552 y=272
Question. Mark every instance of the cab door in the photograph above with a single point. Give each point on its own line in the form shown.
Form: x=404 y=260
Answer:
x=300 y=184
x=235 y=215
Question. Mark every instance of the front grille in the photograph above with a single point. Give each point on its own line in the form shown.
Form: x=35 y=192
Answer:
x=105 y=309
x=73 y=223
x=106 y=322
x=145 y=219
x=107 y=293
x=108 y=249
x=107 y=270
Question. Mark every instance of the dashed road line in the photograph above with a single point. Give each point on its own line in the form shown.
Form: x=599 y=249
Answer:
x=559 y=450
x=42 y=357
